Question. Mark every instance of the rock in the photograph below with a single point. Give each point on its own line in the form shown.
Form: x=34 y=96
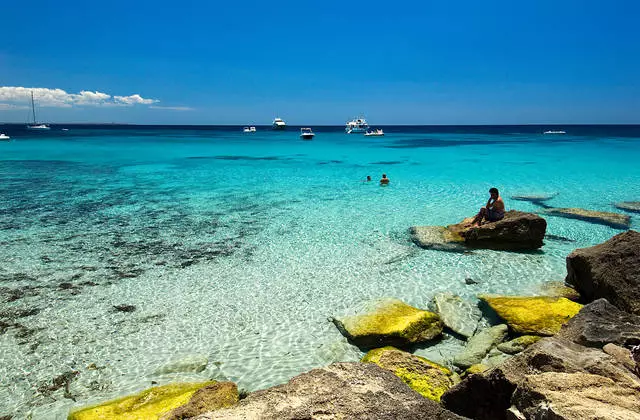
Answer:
x=477 y=368
x=539 y=315
x=479 y=345
x=559 y=289
x=621 y=354
x=518 y=344
x=457 y=314
x=206 y=399
x=632 y=206
x=610 y=270
x=391 y=322
x=614 y=220
x=339 y=391
x=193 y=363
x=496 y=358
x=469 y=281
x=427 y=378
x=635 y=355
x=436 y=237
x=124 y=308
x=599 y=323
x=149 y=404
x=538 y=374
x=517 y=231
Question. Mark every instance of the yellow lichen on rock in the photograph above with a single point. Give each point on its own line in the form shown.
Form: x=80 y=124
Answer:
x=391 y=322
x=540 y=315
x=477 y=368
x=429 y=379
x=149 y=404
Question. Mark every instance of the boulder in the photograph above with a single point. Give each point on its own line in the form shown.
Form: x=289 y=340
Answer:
x=338 y=391
x=610 y=270
x=518 y=344
x=532 y=382
x=632 y=206
x=614 y=220
x=559 y=289
x=390 y=322
x=621 y=354
x=149 y=404
x=599 y=323
x=193 y=363
x=427 y=378
x=538 y=315
x=457 y=314
x=210 y=398
x=479 y=345
x=517 y=231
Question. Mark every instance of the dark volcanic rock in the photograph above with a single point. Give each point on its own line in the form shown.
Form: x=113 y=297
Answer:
x=338 y=391
x=610 y=270
x=599 y=323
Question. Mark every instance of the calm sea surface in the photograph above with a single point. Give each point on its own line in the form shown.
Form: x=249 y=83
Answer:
x=239 y=247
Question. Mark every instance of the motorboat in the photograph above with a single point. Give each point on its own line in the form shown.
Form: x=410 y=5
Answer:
x=555 y=132
x=306 y=134
x=4 y=137
x=375 y=133
x=279 y=124
x=249 y=129
x=35 y=125
x=357 y=125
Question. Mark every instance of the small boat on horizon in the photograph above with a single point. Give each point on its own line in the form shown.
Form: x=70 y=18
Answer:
x=35 y=125
x=375 y=133
x=306 y=134
x=278 y=124
x=555 y=132
x=251 y=129
x=4 y=137
x=357 y=125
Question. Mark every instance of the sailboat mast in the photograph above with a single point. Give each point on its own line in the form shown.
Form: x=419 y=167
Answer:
x=33 y=108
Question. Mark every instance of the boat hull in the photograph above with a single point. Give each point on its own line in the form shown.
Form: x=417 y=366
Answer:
x=306 y=136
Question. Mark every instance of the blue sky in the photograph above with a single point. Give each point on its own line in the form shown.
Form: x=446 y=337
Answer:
x=427 y=62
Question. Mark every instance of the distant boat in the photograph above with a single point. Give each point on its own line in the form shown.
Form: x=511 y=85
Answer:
x=357 y=125
x=555 y=132
x=376 y=133
x=35 y=125
x=4 y=137
x=249 y=129
x=278 y=124
x=306 y=134
x=65 y=129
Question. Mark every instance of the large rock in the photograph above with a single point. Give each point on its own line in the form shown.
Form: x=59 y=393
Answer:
x=390 y=322
x=338 y=391
x=610 y=270
x=538 y=315
x=599 y=323
x=150 y=404
x=614 y=220
x=211 y=397
x=457 y=314
x=632 y=206
x=518 y=344
x=516 y=231
x=479 y=345
x=552 y=379
x=427 y=378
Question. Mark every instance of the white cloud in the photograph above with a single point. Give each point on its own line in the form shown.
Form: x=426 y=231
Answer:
x=7 y=107
x=59 y=98
x=172 y=108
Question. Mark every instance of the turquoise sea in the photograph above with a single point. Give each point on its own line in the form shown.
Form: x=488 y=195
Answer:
x=239 y=247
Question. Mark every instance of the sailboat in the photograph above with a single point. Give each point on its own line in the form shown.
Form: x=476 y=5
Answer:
x=35 y=125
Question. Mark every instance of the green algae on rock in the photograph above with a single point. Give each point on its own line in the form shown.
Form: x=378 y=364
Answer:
x=614 y=220
x=518 y=344
x=539 y=315
x=391 y=322
x=479 y=345
x=429 y=379
x=149 y=404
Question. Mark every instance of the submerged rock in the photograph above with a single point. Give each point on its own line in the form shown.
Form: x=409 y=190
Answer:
x=559 y=289
x=479 y=345
x=614 y=220
x=124 y=308
x=436 y=237
x=340 y=391
x=391 y=322
x=149 y=404
x=193 y=363
x=427 y=378
x=610 y=270
x=632 y=206
x=540 y=315
x=518 y=344
x=206 y=399
x=537 y=199
x=457 y=314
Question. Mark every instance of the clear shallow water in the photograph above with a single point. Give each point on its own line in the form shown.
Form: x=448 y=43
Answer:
x=239 y=247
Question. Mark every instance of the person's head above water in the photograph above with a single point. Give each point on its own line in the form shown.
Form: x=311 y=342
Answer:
x=384 y=180
x=494 y=193
x=384 y=176
x=368 y=177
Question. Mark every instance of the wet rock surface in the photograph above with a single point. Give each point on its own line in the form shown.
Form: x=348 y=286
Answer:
x=632 y=206
x=457 y=314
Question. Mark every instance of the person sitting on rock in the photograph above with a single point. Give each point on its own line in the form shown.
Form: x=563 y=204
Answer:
x=384 y=180
x=493 y=211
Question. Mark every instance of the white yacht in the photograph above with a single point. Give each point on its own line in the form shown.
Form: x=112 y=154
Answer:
x=4 y=137
x=35 y=125
x=279 y=124
x=555 y=132
x=375 y=133
x=357 y=125
x=306 y=134
x=251 y=129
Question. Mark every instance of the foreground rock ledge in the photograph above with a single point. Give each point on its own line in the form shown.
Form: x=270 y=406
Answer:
x=610 y=270
x=390 y=322
x=518 y=231
x=338 y=391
